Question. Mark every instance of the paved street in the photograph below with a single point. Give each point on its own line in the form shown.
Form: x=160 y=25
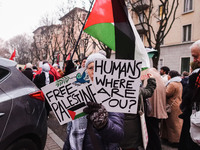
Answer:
x=57 y=134
x=53 y=141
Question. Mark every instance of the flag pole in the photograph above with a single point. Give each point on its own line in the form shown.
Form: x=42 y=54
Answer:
x=75 y=49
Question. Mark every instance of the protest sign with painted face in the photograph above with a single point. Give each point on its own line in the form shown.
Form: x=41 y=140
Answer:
x=69 y=95
x=117 y=83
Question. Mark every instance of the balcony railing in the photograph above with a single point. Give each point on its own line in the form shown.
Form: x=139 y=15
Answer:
x=140 y=29
x=141 y=5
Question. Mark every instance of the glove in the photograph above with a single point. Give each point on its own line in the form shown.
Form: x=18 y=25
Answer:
x=151 y=82
x=97 y=114
x=149 y=89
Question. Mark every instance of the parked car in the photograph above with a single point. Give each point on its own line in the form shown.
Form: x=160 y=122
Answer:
x=23 y=120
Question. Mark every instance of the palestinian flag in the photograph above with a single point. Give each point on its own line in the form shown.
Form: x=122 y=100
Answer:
x=110 y=23
x=77 y=111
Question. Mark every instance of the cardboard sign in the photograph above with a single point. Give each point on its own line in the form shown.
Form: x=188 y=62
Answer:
x=68 y=96
x=117 y=83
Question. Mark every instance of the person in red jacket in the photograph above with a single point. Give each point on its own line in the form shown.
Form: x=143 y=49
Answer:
x=52 y=71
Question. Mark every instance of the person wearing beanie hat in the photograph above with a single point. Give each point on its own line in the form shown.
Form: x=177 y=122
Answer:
x=28 y=71
x=93 y=57
x=43 y=79
x=28 y=65
x=99 y=129
x=89 y=65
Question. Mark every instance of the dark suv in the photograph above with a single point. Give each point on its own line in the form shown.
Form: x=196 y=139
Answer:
x=23 y=123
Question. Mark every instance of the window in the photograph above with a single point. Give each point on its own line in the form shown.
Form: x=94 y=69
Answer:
x=185 y=64
x=161 y=13
x=3 y=73
x=188 y=5
x=83 y=16
x=187 y=33
x=141 y=18
x=160 y=63
x=141 y=36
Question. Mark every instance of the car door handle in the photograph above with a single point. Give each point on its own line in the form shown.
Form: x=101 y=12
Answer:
x=2 y=114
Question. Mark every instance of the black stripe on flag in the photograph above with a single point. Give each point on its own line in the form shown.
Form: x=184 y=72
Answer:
x=77 y=106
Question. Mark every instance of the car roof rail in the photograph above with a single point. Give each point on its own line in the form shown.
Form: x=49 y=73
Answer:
x=7 y=63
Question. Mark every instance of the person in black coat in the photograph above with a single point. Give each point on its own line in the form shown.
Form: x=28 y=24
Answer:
x=44 y=79
x=188 y=99
x=28 y=72
x=69 y=67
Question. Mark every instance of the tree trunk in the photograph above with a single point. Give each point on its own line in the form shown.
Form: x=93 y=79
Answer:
x=156 y=56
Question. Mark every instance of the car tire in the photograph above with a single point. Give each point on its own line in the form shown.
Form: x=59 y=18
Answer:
x=23 y=144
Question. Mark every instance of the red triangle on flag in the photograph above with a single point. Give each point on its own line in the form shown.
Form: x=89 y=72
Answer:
x=72 y=114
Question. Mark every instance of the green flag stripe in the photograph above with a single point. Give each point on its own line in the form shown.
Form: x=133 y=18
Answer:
x=79 y=115
x=114 y=38
x=104 y=32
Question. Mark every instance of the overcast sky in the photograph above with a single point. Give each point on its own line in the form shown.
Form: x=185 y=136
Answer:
x=23 y=16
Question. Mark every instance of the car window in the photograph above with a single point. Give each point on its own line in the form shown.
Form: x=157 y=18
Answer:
x=3 y=73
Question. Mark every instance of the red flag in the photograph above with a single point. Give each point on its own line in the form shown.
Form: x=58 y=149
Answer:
x=68 y=56
x=13 y=55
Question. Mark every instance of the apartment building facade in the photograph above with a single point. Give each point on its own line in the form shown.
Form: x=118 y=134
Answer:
x=175 y=49
x=56 y=42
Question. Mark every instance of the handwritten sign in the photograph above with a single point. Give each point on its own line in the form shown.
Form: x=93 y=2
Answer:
x=68 y=96
x=117 y=83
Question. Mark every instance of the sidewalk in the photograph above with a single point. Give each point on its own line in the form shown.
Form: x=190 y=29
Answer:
x=53 y=141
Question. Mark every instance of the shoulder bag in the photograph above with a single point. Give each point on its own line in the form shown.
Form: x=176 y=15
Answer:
x=143 y=124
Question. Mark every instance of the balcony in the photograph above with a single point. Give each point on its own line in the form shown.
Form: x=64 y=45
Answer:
x=140 y=29
x=141 y=5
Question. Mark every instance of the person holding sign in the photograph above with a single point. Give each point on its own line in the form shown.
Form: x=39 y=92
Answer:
x=132 y=128
x=99 y=129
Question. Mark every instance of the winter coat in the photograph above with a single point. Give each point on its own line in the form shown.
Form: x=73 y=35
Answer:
x=52 y=71
x=40 y=80
x=132 y=126
x=70 y=67
x=186 y=105
x=172 y=126
x=164 y=78
x=186 y=142
x=28 y=73
x=158 y=100
x=108 y=137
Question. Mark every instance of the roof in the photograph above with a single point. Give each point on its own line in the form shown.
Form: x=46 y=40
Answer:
x=7 y=63
x=44 y=28
x=73 y=11
x=39 y=28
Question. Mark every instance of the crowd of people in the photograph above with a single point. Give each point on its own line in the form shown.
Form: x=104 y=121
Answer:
x=168 y=98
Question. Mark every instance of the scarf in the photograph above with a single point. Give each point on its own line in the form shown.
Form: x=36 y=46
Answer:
x=46 y=69
x=174 y=79
x=47 y=80
x=77 y=133
x=197 y=83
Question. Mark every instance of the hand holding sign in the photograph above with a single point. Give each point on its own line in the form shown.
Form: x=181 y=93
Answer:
x=97 y=114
